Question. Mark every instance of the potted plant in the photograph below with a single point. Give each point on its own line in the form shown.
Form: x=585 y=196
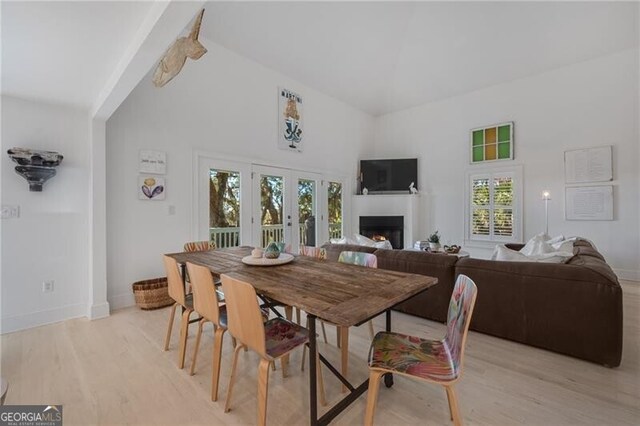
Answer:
x=434 y=241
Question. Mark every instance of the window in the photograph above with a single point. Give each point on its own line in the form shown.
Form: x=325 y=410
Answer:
x=493 y=204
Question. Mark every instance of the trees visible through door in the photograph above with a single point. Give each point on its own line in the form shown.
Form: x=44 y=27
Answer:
x=224 y=208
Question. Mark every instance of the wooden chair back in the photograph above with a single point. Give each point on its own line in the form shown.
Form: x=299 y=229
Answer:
x=174 y=280
x=359 y=258
x=199 y=246
x=205 y=300
x=244 y=318
x=463 y=300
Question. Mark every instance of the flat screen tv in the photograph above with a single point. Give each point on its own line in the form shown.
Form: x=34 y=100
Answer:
x=389 y=175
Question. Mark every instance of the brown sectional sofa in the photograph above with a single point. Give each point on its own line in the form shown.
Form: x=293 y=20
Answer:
x=573 y=308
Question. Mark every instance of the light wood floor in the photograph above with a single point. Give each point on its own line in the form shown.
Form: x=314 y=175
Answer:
x=113 y=371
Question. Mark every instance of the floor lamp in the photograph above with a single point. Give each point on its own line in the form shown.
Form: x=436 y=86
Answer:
x=546 y=196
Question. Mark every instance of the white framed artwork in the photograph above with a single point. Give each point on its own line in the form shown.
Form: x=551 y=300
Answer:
x=588 y=165
x=589 y=202
x=290 y=123
x=151 y=188
x=153 y=162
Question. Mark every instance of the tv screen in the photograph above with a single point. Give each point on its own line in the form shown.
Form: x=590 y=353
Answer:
x=389 y=175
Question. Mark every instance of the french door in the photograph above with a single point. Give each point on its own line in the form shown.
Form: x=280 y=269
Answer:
x=286 y=207
x=224 y=202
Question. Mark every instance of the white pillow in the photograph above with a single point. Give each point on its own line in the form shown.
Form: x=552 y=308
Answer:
x=501 y=252
x=536 y=246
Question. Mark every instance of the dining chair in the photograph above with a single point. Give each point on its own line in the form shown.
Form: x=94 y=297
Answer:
x=316 y=253
x=182 y=299
x=272 y=340
x=435 y=361
x=4 y=387
x=199 y=246
x=205 y=303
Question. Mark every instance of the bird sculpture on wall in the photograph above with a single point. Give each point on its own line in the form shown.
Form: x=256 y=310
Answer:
x=185 y=47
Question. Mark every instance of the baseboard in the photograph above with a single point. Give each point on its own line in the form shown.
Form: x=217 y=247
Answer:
x=627 y=274
x=100 y=310
x=123 y=300
x=35 y=319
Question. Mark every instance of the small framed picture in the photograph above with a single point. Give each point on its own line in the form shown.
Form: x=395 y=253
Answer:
x=151 y=188
x=153 y=162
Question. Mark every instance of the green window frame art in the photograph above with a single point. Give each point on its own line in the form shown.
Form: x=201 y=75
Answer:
x=492 y=143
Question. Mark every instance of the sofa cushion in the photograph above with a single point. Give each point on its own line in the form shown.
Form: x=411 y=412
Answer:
x=434 y=303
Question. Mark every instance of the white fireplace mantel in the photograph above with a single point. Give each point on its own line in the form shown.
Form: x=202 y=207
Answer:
x=406 y=205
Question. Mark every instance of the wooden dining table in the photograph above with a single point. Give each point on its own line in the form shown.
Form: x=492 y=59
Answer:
x=343 y=294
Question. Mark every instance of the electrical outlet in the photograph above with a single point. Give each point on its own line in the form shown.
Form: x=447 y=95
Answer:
x=47 y=286
x=8 y=212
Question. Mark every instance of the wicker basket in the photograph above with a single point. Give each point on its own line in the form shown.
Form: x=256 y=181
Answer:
x=152 y=294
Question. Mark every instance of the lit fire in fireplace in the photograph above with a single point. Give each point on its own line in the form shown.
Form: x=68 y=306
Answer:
x=379 y=238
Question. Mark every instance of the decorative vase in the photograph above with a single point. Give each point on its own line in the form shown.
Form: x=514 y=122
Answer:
x=434 y=246
x=272 y=251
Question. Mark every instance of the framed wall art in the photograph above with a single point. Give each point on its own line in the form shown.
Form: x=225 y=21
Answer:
x=151 y=188
x=290 y=120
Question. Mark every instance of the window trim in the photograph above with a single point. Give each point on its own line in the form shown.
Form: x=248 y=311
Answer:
x=518 y=212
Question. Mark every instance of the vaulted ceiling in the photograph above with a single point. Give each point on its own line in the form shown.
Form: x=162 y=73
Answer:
x=387 y=56
x=377 y=56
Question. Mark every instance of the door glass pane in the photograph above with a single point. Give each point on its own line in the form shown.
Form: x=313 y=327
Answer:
x=271 y=209
x=306 y=211
x=335 y=209
x=224 y=208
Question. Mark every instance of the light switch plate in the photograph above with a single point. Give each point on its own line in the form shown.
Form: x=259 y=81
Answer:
x=10 y=212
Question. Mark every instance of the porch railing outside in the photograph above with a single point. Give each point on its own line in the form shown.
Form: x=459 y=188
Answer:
x=230 y=237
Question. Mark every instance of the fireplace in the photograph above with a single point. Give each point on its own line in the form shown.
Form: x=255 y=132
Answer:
x=384 y=228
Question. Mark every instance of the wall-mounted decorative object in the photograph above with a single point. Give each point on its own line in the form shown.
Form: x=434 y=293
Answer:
x=153 y=162
x=492 y=143
x=151 y=188
x=589 y=202
x=290 y=114
x=185 y=47
x=35 y=166
x=588 y=165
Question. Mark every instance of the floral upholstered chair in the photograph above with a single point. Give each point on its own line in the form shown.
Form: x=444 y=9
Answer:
x=436 y=361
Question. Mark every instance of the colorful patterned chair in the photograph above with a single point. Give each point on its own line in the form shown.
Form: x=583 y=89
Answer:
x=271 y=340
x=199 y=246
x=435 y=361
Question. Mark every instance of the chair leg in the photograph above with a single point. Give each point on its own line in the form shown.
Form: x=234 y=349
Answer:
x=171 y=318
x=372 y=395
x=337 y=336
x=298 y=316
x=371 y=333
x=304 y=357
x=288 y=312
x=232 y=379
x=322 y=396
x=453 y=406
x=284 y=362
x=324 y=332
x=184 y=333
x=344 y=350
x=197 y=347
x=217 y=357
x=263 y=389
x=449 y=403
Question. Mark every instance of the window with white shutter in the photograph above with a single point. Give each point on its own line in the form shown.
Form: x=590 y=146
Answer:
x=493 y=205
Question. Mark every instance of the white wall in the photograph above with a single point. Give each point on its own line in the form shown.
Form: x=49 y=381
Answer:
x=49 y=241
x=592 y=103
x=225 y=104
